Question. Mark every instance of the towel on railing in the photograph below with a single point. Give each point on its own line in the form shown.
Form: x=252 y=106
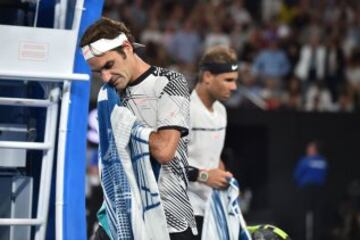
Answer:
x=131 y=194
x=222 y=214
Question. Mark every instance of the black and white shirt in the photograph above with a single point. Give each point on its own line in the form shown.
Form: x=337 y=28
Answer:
x=160 y=99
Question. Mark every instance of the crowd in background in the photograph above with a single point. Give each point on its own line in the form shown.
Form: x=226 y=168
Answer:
x=294 y=55
x=299 y=55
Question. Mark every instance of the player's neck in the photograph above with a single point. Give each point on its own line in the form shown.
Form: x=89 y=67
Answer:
x=140 y=67
x=205 y=97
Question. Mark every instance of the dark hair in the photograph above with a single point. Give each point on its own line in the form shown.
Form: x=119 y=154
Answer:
x=107 y=29
x=217 y=54
x=318 y=145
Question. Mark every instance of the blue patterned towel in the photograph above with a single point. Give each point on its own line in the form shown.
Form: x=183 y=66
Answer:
x=223 y=219
x=131 y=194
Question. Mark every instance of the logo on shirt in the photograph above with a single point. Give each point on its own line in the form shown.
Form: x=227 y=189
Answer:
x=216 y=135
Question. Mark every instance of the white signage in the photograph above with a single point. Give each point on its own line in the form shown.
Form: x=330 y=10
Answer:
x=33 y=51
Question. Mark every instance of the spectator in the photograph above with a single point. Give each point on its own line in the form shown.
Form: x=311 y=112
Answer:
x=345 y=102
x=152 y=33
x=318 y=98
x=168 y=36
x=272 y=62
x=352 y=38
x=353 y=76
x=291 y=47
x=292 y=97
x=252 y=46
x=216 y=37
x=186 y=45
x=271 y=94
x=334 y=66
x=238 y=36
x=310 y=176
x=311 y=65
x=156 y=54
x=311 y=169
x=270 y=8
x=239 y=13
x=301 y=18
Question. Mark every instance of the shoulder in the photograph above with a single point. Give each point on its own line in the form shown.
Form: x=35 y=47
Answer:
x=220 y=108
x=170 y=75
x=173 y=83
x=196 y=106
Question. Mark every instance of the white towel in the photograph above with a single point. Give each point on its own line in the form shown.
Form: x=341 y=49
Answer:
x=223 y=216
x=131 y=194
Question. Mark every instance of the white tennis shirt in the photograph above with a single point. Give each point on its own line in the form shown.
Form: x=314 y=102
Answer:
x=206 y=143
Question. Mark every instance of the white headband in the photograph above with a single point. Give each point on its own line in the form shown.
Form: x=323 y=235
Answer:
x=101 y=46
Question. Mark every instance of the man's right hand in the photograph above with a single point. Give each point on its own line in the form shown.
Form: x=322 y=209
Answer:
x=218 y=178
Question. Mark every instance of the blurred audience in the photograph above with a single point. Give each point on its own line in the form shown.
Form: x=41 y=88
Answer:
x=318 y=98
x=292 y=96
x=303 y=55
x=311 y=64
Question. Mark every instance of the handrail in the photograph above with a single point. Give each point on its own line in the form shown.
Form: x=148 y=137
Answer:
x=14 y=129
x=42 y=77
x=25 y=102
x=21 y=221
x=25 y=145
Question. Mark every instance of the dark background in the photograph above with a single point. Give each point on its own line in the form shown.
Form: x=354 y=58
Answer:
x=262 y=149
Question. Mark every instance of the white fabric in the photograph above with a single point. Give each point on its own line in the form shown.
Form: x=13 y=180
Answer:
x=318 y=100
x=103 y=45
x=215 y=39
x=155 y=107
x=207 y=137
x=223 y=216
x=132 y=207
x=303 y=66
x=147 y=223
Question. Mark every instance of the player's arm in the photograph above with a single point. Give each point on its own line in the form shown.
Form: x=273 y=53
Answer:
x=221 y=165
x=163 y=144
x=172 y=119
x=215 y=178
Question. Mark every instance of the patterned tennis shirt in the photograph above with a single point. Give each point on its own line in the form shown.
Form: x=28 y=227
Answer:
x=160 y=99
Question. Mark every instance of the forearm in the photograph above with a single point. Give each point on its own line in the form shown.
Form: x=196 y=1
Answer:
x=193 y=172
x=163 y=145
x=216 y=177
x=221 y=165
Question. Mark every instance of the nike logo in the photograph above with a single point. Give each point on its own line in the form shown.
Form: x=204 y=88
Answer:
x=234 y=67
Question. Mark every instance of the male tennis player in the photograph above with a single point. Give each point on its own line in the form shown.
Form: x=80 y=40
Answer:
x=217 y=80
x=159 y=98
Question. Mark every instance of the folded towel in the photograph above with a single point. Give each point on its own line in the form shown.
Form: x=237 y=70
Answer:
x=223 y=218
x=131 y=194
